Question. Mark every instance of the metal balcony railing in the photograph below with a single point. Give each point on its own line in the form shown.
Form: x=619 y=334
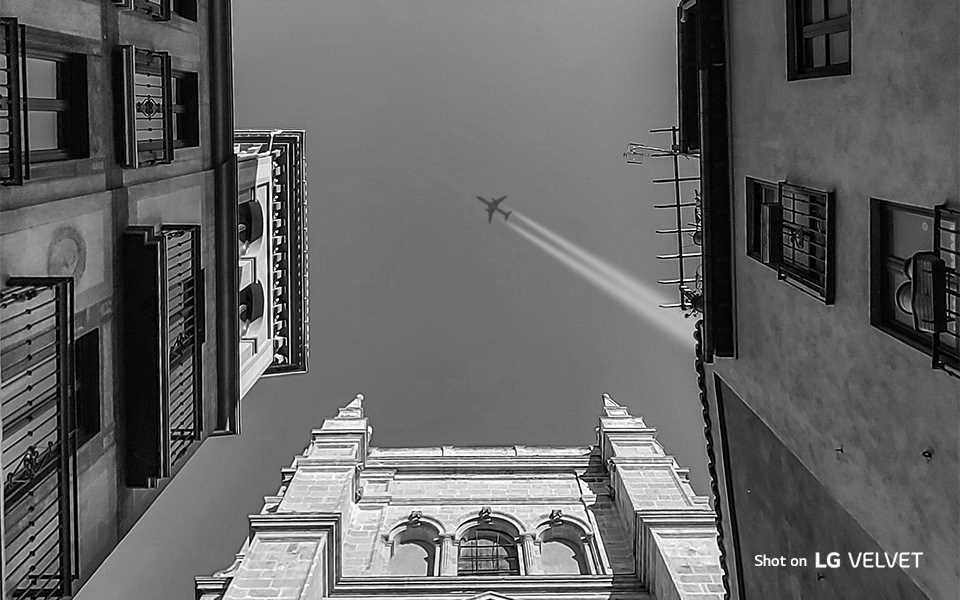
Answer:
x=14 y=136
x=935 y=295
x=39 y=439
x=183 y=322
x=164 y=331
x=147 y=101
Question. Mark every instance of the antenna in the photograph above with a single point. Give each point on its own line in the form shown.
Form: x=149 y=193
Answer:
x=685 y=222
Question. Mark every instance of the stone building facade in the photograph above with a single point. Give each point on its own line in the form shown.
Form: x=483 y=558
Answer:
x=614 y=520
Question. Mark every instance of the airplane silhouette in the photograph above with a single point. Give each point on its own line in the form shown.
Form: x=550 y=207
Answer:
x=493 y=206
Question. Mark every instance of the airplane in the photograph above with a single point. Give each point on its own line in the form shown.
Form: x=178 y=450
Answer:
x=493 y=206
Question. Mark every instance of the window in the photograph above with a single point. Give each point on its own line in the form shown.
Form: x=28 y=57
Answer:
x=186 y=9
x=897 y=232
x=87 y=385
x=43 y=111
x=818 y=38
x=186 y=121
x=562 y=551
x=487 y=552
x=763 y=221
x=805 y=240
x=157 y=9
x=689 y=77
x=147 y=100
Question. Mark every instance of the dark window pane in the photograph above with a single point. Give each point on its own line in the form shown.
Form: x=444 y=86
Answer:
x=837 y=8
x=87 y=385
x=812 y=11
x=839 y=47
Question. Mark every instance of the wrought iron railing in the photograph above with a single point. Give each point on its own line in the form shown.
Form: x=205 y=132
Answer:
x=15 y=136
x=936 y=293
x=183 y=326
x=806 y=240
x=147 y=98
x=164 y=297
x=39 y=439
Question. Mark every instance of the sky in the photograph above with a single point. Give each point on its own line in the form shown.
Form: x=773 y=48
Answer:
x=455 y=330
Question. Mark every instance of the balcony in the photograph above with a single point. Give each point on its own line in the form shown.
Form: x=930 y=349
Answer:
x=14 y=138
x=163 y=318
x=39 y=439
x=146 y=100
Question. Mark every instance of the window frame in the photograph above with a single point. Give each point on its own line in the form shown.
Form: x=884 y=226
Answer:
x=798 y=30
x=479 y=533
x=70 y=106
x=185 y=107
x=880 y=290
x=88 y=388
x=754 y=199
x=688 y=77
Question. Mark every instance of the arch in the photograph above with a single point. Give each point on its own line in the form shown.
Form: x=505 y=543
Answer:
x=485 y=550
x=565 y=548
x=413 y=546
x=412 y=557
x=583 y=528
x=424 y=521
x=502 y=521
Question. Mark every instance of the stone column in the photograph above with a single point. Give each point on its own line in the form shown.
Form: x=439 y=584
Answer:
x=448 y=555
x=531 y=558
x=589 y=554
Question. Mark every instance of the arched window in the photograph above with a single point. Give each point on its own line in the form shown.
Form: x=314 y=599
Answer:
x=413 y=548
x=487 y=551
x=562 y=551
x=412 y=557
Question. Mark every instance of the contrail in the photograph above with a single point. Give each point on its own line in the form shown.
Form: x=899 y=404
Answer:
x=638 y=297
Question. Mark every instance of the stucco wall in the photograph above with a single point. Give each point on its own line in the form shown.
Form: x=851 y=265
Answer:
x=782 y=510
x=822 y=376
x=98 y=198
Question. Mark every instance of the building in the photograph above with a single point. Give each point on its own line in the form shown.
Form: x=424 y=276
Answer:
x=271 y=213
x=829 y=342
x=614 y=520
x=121 y=269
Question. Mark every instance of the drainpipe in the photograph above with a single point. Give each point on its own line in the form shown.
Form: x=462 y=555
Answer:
x=226 y=224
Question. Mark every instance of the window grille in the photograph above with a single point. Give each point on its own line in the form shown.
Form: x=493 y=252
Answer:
x=39 y=443
x=147 y=100
x=806 y=253
x=183 y=353
x=163 y=333
x=14 y=137
x=936 y=293
x=489 y=553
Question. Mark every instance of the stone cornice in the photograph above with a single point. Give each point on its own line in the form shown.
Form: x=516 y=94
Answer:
x=550 y=586
x=482 y=464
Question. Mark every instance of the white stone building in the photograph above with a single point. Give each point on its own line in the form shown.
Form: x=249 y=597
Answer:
x=617 y=520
